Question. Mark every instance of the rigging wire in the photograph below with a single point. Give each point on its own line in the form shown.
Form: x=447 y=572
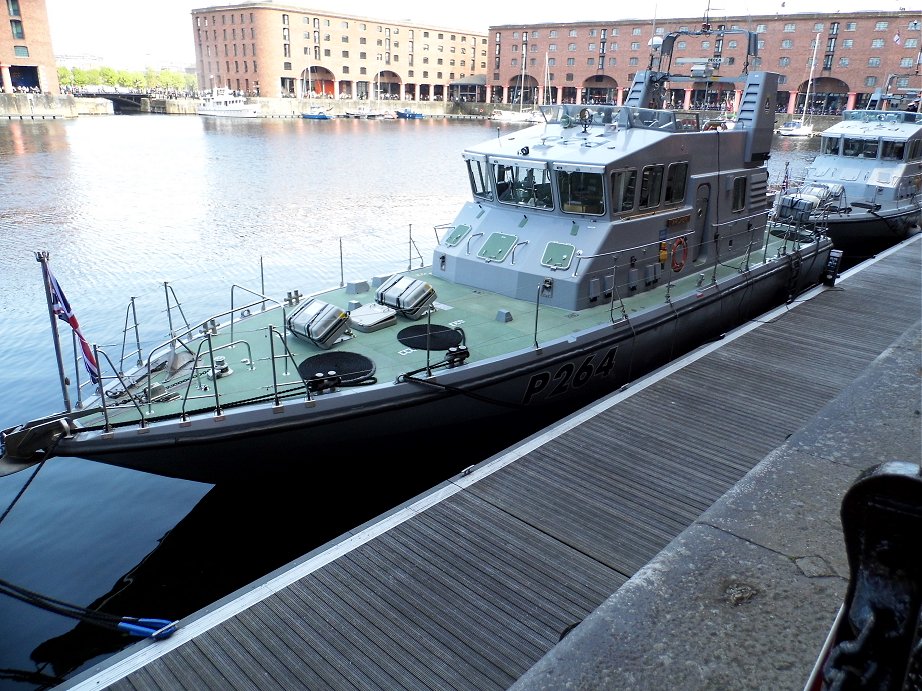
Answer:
x=142 y=627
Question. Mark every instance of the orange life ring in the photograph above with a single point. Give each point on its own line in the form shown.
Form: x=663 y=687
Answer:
x=678 y=262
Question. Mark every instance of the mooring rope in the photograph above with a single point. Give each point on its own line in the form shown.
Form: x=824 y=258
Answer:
x=135 y=626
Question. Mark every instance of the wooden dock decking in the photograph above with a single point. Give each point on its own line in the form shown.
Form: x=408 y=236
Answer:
x=470 y=585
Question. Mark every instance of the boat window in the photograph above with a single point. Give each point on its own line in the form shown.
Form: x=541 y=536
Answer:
x=739 y=193
x=892 y=151
x=623 y=189
x=676 y=178
x=870 y=150
x=523 y=184
x=480 y=179
x=915 y=150
x=581 y=192
x=830 y=145
x=651 y=186
x=852 y=147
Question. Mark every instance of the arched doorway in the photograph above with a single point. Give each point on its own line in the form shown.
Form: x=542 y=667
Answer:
x=387 y=86
x=523 y=90
x=317 y=82
x=599 y=89
x=828 y=96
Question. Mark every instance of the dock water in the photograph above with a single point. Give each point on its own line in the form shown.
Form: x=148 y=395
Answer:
x=683 y=531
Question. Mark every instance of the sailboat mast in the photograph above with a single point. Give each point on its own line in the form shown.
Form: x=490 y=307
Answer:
x=816 y=44
x=522 y=79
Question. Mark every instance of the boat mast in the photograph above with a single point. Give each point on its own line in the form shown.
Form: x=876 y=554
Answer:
x=522 y=78
x=816 y=44
x=42 y=258
x=547 y=80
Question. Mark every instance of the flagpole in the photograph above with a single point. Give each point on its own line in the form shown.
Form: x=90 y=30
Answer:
x=42 y=258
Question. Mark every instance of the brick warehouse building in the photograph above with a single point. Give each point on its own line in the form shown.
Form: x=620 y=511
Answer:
x=857 y=52
x=290 y=50
x=26 y=58
x=274 y=50
x=279 y=50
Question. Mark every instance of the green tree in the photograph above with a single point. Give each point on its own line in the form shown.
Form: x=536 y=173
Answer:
x=150 y=78
x=82 y=77
x=65 y=77
x=108 y=76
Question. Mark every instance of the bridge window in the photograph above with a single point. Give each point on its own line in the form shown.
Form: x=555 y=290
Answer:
x=830 y=145
x=581 y=192
x=623 y=188
x=892 y=151
x=676 y=179
x=915 y=150
x=524 y=184
x=479 y=176
x=852 y=147
x=651 y=186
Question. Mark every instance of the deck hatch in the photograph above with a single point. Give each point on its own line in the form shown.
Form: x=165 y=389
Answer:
x=558 y=255
x=497 y=247
x=455 y=236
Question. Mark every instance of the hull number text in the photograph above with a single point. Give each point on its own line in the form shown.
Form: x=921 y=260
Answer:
x=568 y=377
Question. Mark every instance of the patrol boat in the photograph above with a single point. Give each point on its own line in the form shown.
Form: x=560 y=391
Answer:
x=596 y=246
x=865 y=185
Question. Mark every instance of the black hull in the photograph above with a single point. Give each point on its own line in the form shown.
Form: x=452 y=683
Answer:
x=490 y=412
x=862 y=234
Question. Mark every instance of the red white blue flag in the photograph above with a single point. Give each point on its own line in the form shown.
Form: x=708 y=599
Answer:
x=61 y=308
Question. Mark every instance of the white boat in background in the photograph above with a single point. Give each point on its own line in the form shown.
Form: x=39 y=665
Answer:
x=796 y=128
x=865 y=185
x=365 y=113
x=524 y=116
x=596 y=246
x=223 y=103
x=802 y=127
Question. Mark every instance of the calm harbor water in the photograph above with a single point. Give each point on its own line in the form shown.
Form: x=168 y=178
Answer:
x=125 y=203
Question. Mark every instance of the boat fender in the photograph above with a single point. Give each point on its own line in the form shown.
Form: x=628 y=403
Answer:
x=679 y=254
x=663 y=254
